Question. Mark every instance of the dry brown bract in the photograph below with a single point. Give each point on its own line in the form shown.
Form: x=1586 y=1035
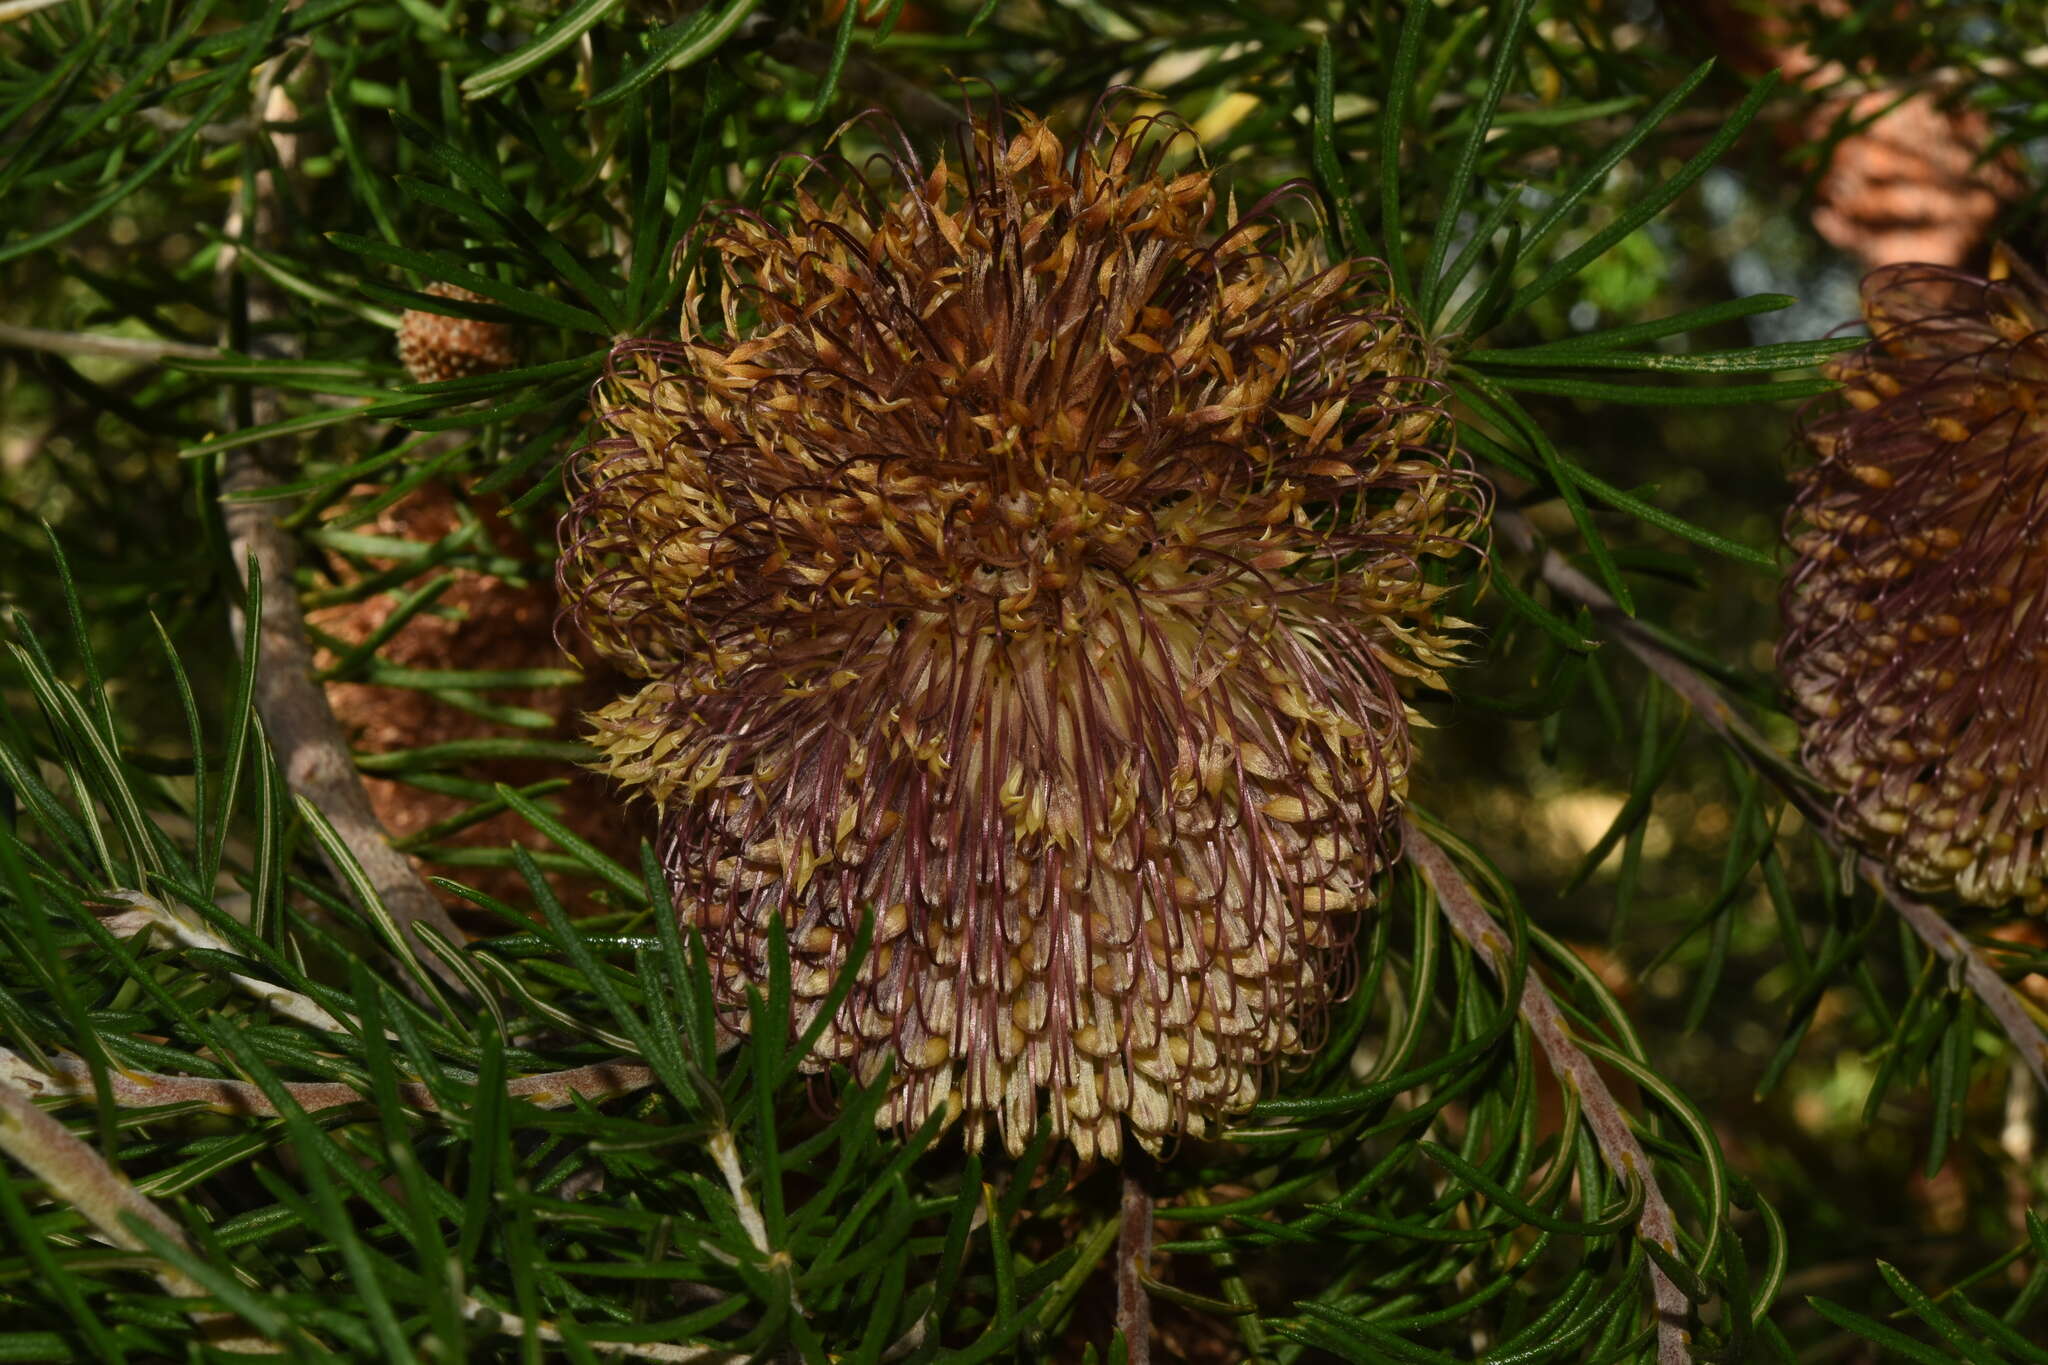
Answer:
x=1916 y=642
x=1030 y=566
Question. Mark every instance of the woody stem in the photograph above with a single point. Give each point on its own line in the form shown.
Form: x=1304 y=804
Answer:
x=1133 y=1260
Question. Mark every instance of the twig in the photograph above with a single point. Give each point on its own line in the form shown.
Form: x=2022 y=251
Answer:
x=726 y=1153
x=1134 y=1262
x=77 y=1175
x=512 y=1325
x=165 y=121
x=1939 y=80
x=297 y=719
x=95 y=343
x=81 y=1177
x=1558 y=572
x=1604 y=1116
x=1707 y=700
x=1998 y=997
x=146 y=911
x=17 y=9
x=147 y=1090
x=907 y=100
x=299 y=722
x=296 y=715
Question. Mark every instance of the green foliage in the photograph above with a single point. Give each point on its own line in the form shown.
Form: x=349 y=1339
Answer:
x=1421 y=1189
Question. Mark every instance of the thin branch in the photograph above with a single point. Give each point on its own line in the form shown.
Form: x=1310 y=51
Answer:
x=1943 y=79
x=1134 y=1262
x=726 y=1153
x=1707 y=700
x=512 y=1325
x=1604 y=1115
x=11 y=10
x=147 y=912
x=1998 y=997
x=297 y=718
x=1563 y=578
x=905 y=99
x=299 y=722
x=148 y=349
x=74 y=1173
x=72 y=1078
x=165 y=121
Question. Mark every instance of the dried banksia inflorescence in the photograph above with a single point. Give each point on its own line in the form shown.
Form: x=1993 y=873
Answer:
x=438 y=346
x=1029 y=562
x=1916 y=611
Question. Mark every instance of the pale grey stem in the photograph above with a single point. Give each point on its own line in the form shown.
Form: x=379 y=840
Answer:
x=496 y=1319
x=1999 y=997
x=905 y=99
x=1944 y=78
x=726 y=1153
x=164 y=120
x=300 y=724
x=147 y=911
x=1133 y=1262
x=1605 y=1117
x=17 y=9
x=148 y=349
x=1564 y=579
x=72 y=1078
x=1707 y=700
x=79 y=1176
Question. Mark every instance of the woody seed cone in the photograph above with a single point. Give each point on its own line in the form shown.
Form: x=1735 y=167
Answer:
x=438 y=346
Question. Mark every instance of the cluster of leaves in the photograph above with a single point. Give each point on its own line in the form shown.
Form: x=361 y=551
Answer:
x=719 y=1206
x=1421 y=1186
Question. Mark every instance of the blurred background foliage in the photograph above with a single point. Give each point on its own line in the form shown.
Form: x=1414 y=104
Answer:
x=211 y=218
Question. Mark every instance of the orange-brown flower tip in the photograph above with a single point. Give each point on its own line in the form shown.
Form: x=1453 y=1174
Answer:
x=438 y=346
x=1030 y=561
x=1916 y=607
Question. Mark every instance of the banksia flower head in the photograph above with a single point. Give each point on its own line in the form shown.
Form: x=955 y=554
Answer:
x=438 y=346
x=1030 y=562
x=1916 y=611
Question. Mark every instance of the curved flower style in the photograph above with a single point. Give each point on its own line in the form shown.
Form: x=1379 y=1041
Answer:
x=1026 y=569
x=1917 y=608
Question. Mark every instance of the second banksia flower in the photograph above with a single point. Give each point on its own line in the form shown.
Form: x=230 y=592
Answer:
x=1032 y=562
x=1916 y=609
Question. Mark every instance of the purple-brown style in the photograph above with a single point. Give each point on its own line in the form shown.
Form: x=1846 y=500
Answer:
x=1916 y=639
x=1034 y=564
